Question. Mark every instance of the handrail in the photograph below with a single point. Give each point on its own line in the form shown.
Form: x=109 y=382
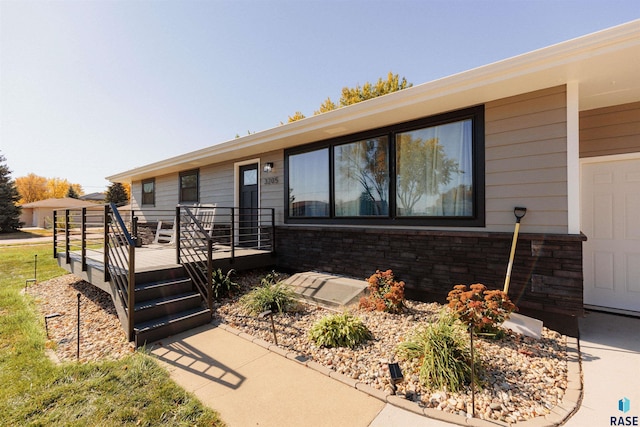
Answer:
x=119 y=261
x=189 y=246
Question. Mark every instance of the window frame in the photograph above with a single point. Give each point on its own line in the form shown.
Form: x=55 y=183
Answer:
x=183 y=174
x=153 y=193
x=477 y=219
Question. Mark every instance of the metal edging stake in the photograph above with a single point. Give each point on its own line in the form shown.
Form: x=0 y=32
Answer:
x=273 y=325
x=78 y=342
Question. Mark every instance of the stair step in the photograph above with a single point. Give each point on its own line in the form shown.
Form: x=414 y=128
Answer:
x=154 y=290
x=162 y=327
x=154 y=308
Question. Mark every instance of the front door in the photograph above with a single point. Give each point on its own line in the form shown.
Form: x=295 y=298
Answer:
x=611 y=222
x=248 y=212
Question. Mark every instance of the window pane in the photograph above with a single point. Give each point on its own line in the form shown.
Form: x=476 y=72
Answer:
x=189 y=187
x=309 y=184
x=435 y=171
x=361 y=177
x=250 y=177
x=148 y=192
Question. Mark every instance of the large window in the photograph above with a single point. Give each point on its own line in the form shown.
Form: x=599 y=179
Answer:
x=361 y=176
x=434 y=171
x=189 y=182
x=149 y=192
x=425 y=172
x=309 y=184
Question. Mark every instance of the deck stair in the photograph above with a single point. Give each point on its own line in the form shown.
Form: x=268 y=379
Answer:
x=166 y=304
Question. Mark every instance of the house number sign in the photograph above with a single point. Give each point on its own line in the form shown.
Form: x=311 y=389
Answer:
x=270 y=180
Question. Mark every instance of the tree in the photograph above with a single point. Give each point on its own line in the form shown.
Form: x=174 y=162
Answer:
x=296 y=116
x=350 y=96
x=117 y=194
x=9 y=198
x=57 y=188
x=71 y=192
x=368 y=91
x=31 y=188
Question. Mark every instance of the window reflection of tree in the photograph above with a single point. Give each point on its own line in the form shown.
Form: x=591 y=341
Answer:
x=367 y=164
x=422 y=168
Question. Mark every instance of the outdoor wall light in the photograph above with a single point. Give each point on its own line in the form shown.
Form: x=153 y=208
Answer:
x=268 y=167
x=396 y=375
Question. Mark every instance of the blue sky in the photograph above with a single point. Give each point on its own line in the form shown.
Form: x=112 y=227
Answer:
x=93 y=88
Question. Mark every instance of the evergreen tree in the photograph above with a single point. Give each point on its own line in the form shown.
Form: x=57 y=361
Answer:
x=117 y=194
x=9 y=197
x=71 y=192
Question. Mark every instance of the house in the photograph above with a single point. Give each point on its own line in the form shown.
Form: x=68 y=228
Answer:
x=94 y=197
x=40 y=213
x=424 y=181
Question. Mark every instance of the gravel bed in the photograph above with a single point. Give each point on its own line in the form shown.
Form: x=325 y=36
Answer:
x=523 y=377
x=101 y=336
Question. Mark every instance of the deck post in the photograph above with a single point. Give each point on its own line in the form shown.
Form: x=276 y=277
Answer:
x=210 y=275
x=131 y=291
x=178 y=220
x=55 y=233
x=232 y=237
x=83 y=239
x=106 y=244
x=273 y=231
x=67 y=244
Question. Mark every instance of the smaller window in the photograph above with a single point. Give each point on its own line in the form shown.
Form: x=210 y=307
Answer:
x=149 y=192
x=189 y=181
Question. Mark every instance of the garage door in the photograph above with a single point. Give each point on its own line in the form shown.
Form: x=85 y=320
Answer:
x=611 y=221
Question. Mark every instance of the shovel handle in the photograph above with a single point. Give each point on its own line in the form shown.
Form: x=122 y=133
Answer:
x=519 y=212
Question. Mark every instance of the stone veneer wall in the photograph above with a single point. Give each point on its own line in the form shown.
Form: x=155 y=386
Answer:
x=547 y=272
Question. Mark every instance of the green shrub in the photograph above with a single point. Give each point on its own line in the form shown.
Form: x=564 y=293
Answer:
x=443 y=349
x=270 y=278
x=277 y=297
x=223 y=286
x=339 y=330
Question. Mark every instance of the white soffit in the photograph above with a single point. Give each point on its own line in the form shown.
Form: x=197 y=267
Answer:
x=605 y=65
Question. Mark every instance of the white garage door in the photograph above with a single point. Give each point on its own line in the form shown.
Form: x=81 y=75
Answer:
x=611 y=221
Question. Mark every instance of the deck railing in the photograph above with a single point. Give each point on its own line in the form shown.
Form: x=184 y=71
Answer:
x=194 y=248
x=203 y=230
x=119 y=261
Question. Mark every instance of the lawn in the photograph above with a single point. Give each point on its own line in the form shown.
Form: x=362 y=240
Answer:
x=35 y=391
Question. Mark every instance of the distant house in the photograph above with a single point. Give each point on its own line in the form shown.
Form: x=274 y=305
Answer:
x=40 y=213
x=424 y=181
x=94 y=197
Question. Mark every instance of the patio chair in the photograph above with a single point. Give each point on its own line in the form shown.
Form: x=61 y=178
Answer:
x=165 y=235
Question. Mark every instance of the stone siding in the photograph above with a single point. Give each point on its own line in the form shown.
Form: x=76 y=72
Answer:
x=547 y=272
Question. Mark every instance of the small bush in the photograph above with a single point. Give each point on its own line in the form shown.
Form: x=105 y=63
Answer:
x=339 y=330
x=223 y=285
x=277 y=297
x=270 y=278
x=483 y=308
x=385 y=293
x=443 y=350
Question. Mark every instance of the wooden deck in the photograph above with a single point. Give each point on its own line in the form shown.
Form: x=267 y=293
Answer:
x=161 y=257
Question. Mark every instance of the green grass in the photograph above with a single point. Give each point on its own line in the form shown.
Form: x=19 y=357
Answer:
x=36 y=392
x=26 y=234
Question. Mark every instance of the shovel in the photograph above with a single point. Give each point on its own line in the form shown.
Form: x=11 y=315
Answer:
x=517 y=322
x=519 y=212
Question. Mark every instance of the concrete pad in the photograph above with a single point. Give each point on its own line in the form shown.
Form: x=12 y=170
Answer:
x=249 y=385
x=392 y=416
x=610 y=352
x=326 y=289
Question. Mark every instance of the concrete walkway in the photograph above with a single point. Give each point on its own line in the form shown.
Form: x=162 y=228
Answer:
x=610 y=349
x=252 y=382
